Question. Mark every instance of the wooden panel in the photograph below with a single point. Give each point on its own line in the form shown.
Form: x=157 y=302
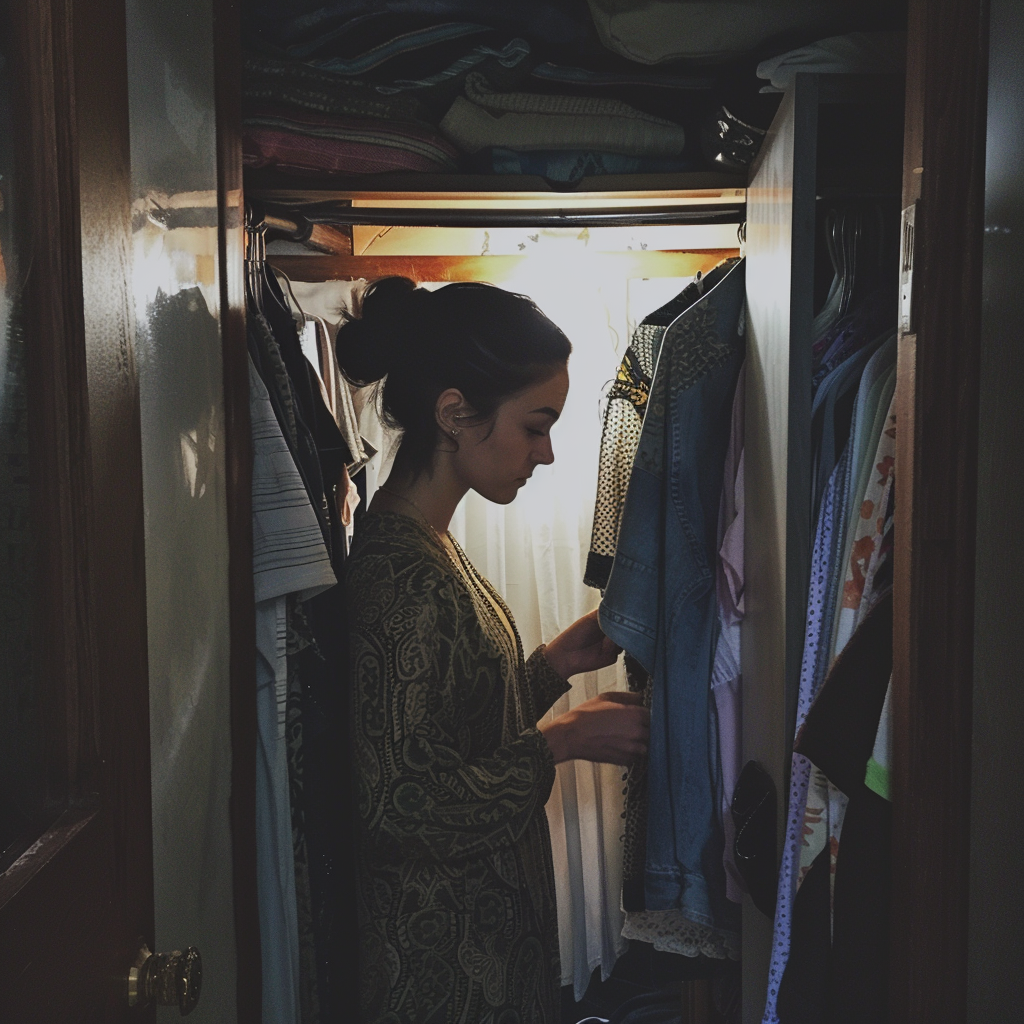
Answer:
x=82 y=896
x=780 y=261
x=996 y=936
x=238 y=456
x=58 y=421
x=934 y=595
x=116 y=563
x=487 y=268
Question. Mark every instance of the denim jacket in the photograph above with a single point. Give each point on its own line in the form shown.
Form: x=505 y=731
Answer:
x=660 y=603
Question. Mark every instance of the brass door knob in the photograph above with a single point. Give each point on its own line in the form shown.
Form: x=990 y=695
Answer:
x=166 y=979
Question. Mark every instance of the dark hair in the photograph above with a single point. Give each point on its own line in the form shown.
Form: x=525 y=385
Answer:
x=486 y=342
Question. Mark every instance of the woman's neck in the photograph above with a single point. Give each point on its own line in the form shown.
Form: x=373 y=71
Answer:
x=435 y=494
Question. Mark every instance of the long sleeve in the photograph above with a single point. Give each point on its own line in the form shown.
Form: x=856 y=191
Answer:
x=545 y=684
x=427 y=693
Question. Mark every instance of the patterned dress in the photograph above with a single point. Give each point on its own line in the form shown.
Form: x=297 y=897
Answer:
x=456 y=892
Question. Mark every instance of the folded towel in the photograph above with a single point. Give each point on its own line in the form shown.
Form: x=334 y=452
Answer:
x=526 y=121
x=482 y=93
x=865 y=53
x=306 y=141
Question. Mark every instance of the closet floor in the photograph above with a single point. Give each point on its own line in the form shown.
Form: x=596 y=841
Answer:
x=642 y=969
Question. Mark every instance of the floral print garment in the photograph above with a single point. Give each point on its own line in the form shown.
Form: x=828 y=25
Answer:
x=456 y=891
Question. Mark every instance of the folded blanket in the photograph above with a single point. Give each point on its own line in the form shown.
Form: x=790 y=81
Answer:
x=572 y=165
x=710 y=31
x=268 y=80
x=527 y=121
x=563 y=26
x=303 y=141
x=352 y=56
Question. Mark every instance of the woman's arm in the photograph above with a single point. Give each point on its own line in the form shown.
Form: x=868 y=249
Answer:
x=613 y=727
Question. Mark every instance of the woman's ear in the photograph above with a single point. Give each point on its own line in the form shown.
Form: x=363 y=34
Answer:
x=450 y=411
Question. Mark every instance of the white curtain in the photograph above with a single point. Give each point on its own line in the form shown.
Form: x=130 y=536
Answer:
x=534 y=552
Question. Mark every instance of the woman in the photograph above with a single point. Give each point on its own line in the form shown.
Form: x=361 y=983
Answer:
x=457 y=906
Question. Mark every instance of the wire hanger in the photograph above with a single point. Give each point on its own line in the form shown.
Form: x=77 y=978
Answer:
x=258 y=274
x=255 y=256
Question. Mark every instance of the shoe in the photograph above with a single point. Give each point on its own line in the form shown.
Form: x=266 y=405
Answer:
x=754 y=805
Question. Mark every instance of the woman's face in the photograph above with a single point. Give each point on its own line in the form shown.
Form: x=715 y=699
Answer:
x=496 y=458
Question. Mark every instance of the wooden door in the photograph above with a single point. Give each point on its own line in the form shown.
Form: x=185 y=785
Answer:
x=937 y=510
x=76 y=883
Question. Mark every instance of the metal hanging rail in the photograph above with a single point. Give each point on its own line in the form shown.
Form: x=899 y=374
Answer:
x=724 y=213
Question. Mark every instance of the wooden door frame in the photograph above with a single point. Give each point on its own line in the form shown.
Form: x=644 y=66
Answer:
x=73 y=907
x=938 y=405
x=238 y=470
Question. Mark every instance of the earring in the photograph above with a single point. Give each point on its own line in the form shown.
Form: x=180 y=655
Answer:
x=455 y=431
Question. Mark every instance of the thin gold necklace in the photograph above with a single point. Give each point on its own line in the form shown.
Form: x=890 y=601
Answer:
x=422 y=515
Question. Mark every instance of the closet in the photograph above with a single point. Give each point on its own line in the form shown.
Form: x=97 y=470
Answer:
x=835 y=145
x=133 y=234
x=836 y=142
x=597 y=261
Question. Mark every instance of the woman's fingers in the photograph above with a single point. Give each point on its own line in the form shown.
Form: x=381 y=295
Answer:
x=623 y=697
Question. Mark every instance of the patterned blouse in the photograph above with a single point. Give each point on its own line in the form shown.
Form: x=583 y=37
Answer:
x=456 y=892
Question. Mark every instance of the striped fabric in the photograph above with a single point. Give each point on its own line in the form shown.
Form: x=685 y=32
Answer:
x=509 y=56
x=375 y=56
x=266 y=80
x=289 y=555
x=305 y=141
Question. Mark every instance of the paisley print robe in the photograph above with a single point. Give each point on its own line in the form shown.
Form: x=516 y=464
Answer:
x=456 y=891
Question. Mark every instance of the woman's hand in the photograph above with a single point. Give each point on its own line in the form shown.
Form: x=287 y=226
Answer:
x=581 y=648
x=613 y=727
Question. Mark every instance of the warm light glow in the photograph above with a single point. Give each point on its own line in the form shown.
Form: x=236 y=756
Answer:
x=418 y=241
x=588 y=296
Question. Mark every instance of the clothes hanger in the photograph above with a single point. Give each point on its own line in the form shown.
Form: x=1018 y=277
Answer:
x=258 y=273
x=282 y=276
x=255 y=254
x=851 y=235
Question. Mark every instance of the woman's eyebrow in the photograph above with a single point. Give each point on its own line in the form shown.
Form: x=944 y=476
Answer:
x=547 y=411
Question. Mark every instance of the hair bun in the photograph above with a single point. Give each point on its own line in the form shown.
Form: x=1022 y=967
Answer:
x=370 y=346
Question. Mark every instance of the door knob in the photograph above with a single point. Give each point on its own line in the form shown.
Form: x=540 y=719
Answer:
x=166 y=979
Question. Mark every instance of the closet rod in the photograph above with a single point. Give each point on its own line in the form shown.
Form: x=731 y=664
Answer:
x=449 y=218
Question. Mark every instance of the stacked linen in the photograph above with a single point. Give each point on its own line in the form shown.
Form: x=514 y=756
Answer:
x=307 y=141
x=300 y=119
x=562 y=27
x=380 y=93
x=560 y=88
x=591 y=129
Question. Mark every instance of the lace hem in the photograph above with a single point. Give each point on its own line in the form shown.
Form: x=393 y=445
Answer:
x=671 y=932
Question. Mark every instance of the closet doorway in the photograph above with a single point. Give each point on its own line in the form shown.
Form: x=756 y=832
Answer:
x=598 y=283
x=66 y=952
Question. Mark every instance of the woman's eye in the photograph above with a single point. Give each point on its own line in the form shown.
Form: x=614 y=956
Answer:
x=536 y=433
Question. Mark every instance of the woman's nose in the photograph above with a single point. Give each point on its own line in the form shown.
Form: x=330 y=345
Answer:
x=545 y=453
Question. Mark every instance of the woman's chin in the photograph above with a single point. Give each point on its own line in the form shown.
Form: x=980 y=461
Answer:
x=504 y=495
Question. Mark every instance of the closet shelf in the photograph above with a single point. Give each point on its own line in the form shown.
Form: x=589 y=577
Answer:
x=702 y=186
